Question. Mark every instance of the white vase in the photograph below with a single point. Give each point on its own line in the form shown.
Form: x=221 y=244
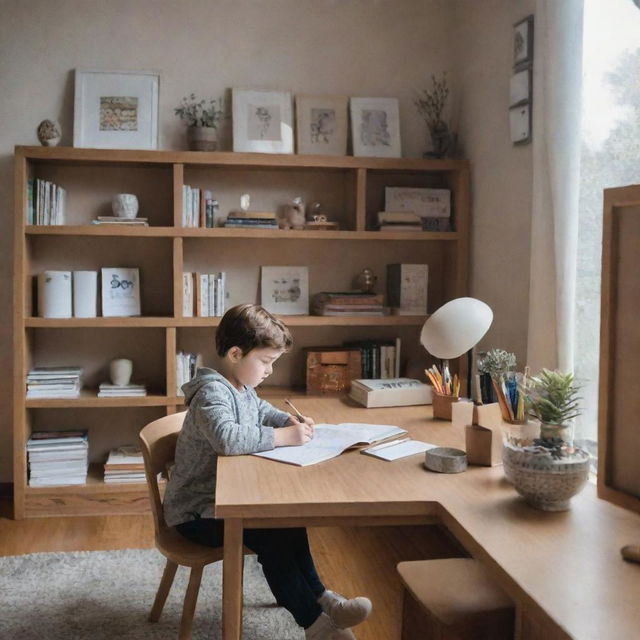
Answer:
x=120 y=370
x=202 y=138
x=125 y=205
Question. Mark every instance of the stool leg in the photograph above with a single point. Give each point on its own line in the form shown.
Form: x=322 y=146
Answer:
x=163 y=590
x=189 y=606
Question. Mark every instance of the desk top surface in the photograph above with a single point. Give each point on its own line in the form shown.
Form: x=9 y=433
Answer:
x=565 y=563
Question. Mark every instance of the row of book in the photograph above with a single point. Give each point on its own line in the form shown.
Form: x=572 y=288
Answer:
x=252 y=220
x=46 y=203
x=203 y=294
x=186 y=366
x=54 y=382
x=108 y=390
x=347 y=303
x=380 y=359
x=124 y=464
x=199 y=207
x=58 y=458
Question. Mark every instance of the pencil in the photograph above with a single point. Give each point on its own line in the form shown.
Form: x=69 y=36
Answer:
x=298 y=414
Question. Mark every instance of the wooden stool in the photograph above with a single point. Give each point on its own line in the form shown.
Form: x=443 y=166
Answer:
x=453 y=599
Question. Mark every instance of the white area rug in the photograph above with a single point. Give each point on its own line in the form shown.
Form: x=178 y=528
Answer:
x=105 y=595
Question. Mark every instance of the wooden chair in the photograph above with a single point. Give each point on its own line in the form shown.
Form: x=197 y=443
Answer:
x=158 y=442
x=453 y=599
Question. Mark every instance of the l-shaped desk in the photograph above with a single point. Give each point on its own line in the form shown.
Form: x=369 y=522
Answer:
x=562 y=569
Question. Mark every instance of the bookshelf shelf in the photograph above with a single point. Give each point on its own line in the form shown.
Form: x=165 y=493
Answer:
x=351 y=191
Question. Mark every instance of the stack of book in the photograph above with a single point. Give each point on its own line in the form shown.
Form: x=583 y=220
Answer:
x=131 y=222
x=124 y=464
x=394 y=392
x=203 y=294
x=106 y=390
x=57 y=458
x=199 y=208
x=347 y=303
x=252 y=220
x=399 y=221
x=54 y=382
x=186 y=366
x=379 y=358
x=46 y=203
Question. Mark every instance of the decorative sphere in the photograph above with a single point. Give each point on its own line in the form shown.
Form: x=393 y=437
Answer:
x=49 y=133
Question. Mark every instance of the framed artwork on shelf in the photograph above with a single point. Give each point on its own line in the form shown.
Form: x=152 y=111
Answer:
x=321 y=125
x=116 y=109
x=285 y=290
x=523 y=42
x=520 y=124
x=262 y=121
x=120 y=292
x=520 y=88
x=375 y=127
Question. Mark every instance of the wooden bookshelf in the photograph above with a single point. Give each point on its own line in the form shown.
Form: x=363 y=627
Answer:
x=351 y=191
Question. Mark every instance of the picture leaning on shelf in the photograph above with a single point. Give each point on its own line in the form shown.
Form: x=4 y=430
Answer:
x=120 y=292
x=432 y=206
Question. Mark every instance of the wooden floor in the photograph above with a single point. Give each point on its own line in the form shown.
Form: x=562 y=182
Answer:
x=354 y=561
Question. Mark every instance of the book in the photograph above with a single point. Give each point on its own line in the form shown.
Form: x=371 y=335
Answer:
x=120 y=292
x=396 y=449
x=392 y=392
x=85 y=294
x=407 y=288
x=54 y=294
x=347 y=298
x=399 y=217
x=330 y=440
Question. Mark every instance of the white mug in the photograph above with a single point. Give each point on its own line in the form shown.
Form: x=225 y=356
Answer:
x=125 y=205
x=120 y=370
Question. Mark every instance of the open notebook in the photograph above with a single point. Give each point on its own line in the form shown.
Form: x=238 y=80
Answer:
x=330 y=440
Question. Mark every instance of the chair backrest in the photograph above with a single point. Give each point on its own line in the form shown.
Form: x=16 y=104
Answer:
x=158 y=443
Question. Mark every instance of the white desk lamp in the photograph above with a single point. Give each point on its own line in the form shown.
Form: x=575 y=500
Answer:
x=456 y=328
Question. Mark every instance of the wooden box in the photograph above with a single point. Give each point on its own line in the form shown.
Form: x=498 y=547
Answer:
x=331 y=369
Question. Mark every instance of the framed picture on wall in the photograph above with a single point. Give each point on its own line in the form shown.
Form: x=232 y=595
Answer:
x=262 y=121
x=285 y=290
x=116 y=109
x=375 y=127
x=321 y=124
x=523 y=42
x=520 y=88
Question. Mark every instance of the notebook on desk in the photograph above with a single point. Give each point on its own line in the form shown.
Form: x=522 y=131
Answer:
x=330 y=440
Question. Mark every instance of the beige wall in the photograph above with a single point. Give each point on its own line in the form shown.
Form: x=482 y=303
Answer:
x=348 y=47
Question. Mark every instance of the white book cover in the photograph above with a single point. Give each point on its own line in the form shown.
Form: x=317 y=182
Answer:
x=120 y=292
x=125 y=454
x=187 y=294
x=212 y=295
x=204 y=293
x=85 y=294
x=407 y=288
x=54 y=294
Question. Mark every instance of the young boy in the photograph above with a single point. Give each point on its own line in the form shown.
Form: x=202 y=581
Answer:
x=226 y=417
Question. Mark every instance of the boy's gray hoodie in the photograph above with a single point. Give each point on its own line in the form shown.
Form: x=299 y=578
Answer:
x=220 y=421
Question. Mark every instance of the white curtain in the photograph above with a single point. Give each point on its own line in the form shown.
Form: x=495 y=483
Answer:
x=556 y=166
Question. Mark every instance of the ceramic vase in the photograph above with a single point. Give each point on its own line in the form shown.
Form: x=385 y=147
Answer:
x=202 y=138
x=125 y=205
x=120 y=370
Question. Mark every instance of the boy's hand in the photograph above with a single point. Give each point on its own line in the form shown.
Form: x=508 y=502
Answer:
x=293 y=421
x=296 y=434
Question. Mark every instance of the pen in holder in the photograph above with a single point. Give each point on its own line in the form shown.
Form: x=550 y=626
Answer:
x=445 y=391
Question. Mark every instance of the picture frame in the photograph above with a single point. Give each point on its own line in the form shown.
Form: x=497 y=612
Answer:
x=433 y=206
x=120 y=292
x=523 y=42
x=262 y=121
x=375 y=127
x=321 y=125
x=116 y=109
x=284 y=290
x=520 y=124
x=520 y=88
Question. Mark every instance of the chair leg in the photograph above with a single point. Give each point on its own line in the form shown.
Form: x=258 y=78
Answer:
x=163 y=590
x=189 y=606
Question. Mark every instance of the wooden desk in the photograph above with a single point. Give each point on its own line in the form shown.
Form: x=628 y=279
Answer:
x=562 y=569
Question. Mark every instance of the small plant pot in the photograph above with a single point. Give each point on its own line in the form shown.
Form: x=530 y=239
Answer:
x=202 y=138
x=546 y=483
x=442 y=405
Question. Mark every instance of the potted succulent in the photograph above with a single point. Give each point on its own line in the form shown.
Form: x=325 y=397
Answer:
x=430 y=105
x=550 y=471
x=202 y=118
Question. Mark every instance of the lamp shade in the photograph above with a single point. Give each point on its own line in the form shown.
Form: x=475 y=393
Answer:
x=456 y=327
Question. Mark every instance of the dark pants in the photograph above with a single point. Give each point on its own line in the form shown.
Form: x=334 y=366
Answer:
x=285 y=558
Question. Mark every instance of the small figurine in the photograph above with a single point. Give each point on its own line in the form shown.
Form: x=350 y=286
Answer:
x=294 y=215
x=366 y=280
x=49 y=133
x=245 y=202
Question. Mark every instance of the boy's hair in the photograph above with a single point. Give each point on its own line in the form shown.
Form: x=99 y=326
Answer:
x=250 y=326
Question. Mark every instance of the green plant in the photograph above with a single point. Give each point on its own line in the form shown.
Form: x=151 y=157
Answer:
x=496 y=363
x=552 y=397
x=200 y=113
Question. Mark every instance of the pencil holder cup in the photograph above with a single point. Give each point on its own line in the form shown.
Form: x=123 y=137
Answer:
x=441 y=405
